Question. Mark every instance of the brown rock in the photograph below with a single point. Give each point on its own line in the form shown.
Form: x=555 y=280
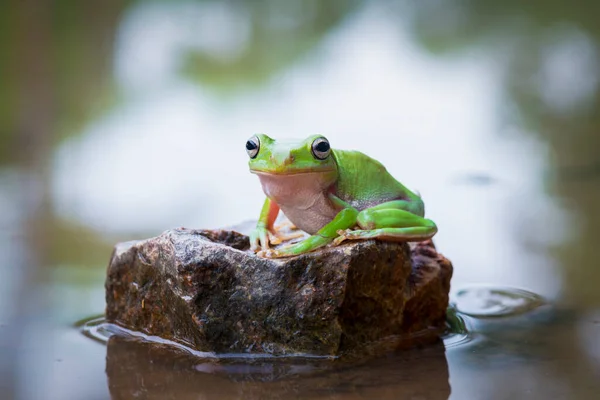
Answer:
x=205 y=290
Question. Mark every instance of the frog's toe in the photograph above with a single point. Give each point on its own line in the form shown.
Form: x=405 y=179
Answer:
x=269 y=253
x=286 y=224
x=338 y=240
x=349 y=234
x=343 y=235
x=263 y=253
x=290 y=236
x=274 y=239
x=258 y=247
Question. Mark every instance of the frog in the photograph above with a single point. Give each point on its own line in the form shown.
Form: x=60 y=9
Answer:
x=332 y=195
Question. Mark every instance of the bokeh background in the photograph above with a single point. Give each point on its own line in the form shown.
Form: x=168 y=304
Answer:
x=121 y=119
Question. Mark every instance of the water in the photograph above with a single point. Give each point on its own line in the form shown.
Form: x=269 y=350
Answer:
x=133 y=357
x=98 y=329
x=120 y=120
x=488 y=301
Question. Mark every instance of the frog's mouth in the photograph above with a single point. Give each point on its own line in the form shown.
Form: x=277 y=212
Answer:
x=288 y=172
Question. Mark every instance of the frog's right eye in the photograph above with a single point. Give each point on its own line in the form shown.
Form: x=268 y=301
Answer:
x=321 y=148
x=252 y=146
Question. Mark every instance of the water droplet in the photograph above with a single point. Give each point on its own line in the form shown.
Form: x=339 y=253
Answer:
x=491 y=302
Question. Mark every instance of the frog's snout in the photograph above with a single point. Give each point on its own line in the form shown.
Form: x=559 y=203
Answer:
x=283 y=159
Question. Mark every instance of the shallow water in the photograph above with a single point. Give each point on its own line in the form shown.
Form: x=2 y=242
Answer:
x=98 y=329
x=121 y=119
x=133 y=357
x=504 y=350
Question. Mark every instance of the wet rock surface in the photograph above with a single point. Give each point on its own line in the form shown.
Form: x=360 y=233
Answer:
x=206 y=290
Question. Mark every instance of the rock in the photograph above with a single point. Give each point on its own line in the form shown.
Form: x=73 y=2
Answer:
x=204 y=289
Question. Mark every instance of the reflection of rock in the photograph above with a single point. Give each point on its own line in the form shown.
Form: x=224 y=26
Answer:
x=205 y=290
x=151 y=371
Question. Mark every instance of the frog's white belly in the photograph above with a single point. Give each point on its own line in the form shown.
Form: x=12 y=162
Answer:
x=302 y=198
x=311 y=219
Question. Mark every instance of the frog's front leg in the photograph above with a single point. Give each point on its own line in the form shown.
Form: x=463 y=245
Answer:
x=390 y=221
x=343 y=220
x=262 y=234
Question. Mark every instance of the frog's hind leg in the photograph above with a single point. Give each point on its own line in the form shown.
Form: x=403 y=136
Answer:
x=416 y=234
x=387 y=222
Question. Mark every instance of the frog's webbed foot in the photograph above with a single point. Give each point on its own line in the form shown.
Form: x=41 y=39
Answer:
x=287 y=224
x=289 y=236
x=265 y=253
x=276 y=236
x=272 y=253
x=261 y=239
x=285 y=251
x=274 y=239
x=348 y=234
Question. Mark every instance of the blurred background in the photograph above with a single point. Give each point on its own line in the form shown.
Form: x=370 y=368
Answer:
x=120 y=119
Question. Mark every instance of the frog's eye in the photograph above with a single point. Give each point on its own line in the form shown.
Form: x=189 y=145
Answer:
x=320 y=148
x=252 y=146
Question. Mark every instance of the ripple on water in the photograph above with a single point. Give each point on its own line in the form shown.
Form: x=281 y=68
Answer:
x=96 y=328
x=457 y=332
x=493 y=302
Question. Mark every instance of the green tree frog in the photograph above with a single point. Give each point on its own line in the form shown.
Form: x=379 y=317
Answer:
x=333 y=195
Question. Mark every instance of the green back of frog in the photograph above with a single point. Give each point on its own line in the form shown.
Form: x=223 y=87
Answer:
x=364 y=181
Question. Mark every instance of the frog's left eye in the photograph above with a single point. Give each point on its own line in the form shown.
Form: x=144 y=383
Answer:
x=321 y=148
x=252 y=146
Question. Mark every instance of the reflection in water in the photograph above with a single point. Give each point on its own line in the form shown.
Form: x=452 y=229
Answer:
x=138 y=369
